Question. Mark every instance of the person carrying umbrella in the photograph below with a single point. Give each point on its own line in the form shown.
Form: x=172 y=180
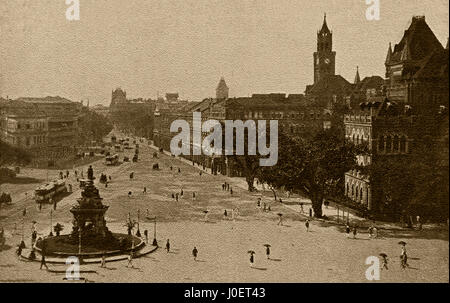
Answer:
x=280 y=219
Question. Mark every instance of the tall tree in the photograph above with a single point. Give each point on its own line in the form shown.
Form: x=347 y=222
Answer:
x=10 y=155
x=314 y=166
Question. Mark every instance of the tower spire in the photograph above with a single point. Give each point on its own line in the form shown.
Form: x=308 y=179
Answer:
x=357 y=78
x=406 y=54
x=325 y=25
x=389 y=54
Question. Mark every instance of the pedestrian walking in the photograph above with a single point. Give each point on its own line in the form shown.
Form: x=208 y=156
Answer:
x=252 y=260
x=103 y=262
x=355 y=231
x=33 y=237
x=168 y=246
x=176 y=197
x=307 y=225
x=193 y=196
x=146 y=236
x=130 y=260
x=173 y=196
x=301 y=208
x=182 y=193
x=129 y=194
x=347 y=231
x=43 y=263
x=268 y=252
x=179 y=170
x=54 y=205
x=231 y=191
x=404 y=257
x=145 y=190
x=384 y=265
x=195 y=253
x=264 y=206
x=258 y=204
x=225 y=214
x=310 y=212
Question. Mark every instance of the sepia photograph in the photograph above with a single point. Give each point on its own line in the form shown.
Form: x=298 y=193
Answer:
x=237 y=142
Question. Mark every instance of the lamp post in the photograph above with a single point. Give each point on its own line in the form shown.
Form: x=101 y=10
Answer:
x=138 y=232
x=79 y=242
x=51 y=223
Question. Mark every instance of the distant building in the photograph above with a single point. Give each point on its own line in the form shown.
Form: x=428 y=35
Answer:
x=39 y=122
x=222 y=90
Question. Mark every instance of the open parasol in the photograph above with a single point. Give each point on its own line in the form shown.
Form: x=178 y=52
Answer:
x=383 y=255
x=402 y=243
x=251 y=252
x=267 y=245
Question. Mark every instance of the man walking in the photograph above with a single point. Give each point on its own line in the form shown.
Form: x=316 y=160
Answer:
x=355 y=231
x=103 y=262
x=268 y=252
x=43 y=263
x=195 y=253
x=146 y=236
x=168 y=246
x=347 y=231
x=307 y=225
x=130 y=260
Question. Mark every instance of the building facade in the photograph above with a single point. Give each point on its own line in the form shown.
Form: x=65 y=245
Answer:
x=39 y=122
x=396 y=121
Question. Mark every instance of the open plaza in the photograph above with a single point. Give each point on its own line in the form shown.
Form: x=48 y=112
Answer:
x=197 y=219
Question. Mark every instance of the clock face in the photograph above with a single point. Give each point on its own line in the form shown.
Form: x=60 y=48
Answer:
x=327 y=61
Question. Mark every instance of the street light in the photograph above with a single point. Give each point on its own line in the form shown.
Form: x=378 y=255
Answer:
x=138 y=232
x=51 y=223
x=155 y=242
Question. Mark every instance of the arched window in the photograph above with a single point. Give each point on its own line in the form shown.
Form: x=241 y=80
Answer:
x=396 y=144
x=357 y=192
x=381 y=144
x=361 y=194
x=388 y=144
x=347 y=191
x=353 y=189
x=403 y=144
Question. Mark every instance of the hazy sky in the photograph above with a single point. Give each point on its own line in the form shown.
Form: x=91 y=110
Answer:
x=185 y=46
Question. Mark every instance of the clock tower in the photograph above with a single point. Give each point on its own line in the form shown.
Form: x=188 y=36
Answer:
x=324 y=57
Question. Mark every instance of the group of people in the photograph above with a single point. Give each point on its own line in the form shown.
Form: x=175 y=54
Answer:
x=226 y=187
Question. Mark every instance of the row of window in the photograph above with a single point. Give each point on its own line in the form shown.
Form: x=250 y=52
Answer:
x=31 y=125
x=28 y=141
x=356 y=193
x=393 y=144
x=277 y=115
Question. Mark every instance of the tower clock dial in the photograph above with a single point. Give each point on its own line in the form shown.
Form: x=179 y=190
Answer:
x=327 y=61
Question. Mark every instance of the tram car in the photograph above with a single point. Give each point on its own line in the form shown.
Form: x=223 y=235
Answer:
x=48 y=191
x=112 y=160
